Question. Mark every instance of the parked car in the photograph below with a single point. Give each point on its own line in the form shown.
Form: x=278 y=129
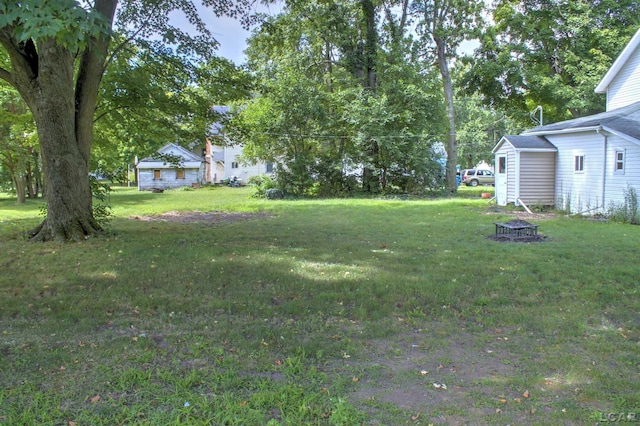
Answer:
x=473 y=177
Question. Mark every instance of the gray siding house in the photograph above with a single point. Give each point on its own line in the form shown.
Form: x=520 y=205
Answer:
x=156 y=173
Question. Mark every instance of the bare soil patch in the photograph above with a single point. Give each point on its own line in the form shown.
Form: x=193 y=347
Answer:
x=438 y=380
x=201 y=217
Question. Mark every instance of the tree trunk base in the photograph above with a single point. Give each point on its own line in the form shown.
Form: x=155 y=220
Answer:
x=78 y=229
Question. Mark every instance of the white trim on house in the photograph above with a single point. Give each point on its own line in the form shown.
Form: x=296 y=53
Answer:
x=619 y=63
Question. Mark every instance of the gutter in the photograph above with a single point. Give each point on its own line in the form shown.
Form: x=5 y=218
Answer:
x=564 y=131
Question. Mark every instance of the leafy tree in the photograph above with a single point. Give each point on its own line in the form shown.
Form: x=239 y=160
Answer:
x=18 y=144
x=150 y=96
x=442 y=26
x=338 y=107
x=550 y=53
x=59 y=51
x=479 y=129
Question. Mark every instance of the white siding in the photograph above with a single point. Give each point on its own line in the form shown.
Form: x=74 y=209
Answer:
x=624 y=89
x=244 y=172
x=537 y=178
x=617 y=183
x=579 y=192
x=167 y=179
x=508 y=150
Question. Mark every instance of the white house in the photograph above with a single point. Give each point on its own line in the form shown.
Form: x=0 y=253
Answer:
x=589 y=162
x=160 y=172
x=223 y=160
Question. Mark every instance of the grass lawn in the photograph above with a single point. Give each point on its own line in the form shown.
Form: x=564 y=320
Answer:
x=338 y=312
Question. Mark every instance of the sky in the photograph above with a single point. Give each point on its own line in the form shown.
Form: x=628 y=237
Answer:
x=233 y=38
x=228 y=31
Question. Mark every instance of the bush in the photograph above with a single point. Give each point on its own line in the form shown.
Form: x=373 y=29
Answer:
x=628 y=211
x=261 y=184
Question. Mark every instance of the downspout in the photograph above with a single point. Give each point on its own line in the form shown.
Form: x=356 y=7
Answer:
x=604 y=165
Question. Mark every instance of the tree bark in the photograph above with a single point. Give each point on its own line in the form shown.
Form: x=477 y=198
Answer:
x=21 y=189
x=65 y=157
x=452 y=143
x=63 y=103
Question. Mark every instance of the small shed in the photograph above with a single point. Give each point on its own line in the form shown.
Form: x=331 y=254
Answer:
x=525 y=171
x=172 y=167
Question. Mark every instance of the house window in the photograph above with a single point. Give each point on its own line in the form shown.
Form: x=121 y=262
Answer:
x=156 y=174
x=179 y=173
x=234 y=164
x=579 y=163
x=269 y=167
x=619 y=165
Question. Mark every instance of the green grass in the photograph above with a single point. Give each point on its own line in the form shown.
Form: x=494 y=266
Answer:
x=317 y=312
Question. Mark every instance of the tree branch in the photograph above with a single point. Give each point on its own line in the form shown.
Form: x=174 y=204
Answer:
x=102 y=115
x=6 y=76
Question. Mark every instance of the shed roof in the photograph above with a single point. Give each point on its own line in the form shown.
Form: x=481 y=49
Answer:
x=526 y=143
x=178 y=150
x=624 y=121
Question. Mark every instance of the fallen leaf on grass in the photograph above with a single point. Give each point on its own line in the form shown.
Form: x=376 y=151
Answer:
x=95 y=399
x=526 y=394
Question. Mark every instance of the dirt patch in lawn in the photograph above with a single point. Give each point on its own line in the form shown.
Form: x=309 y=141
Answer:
x=444 y=380
x=201 y=217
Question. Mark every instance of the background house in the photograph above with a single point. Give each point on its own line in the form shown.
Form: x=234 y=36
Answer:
x=597 y=157
x=223 y=159
x=162 y=172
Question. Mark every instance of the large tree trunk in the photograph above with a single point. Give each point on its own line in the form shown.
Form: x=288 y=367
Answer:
x=62 y=99
x=452 y=143
x=65 y=155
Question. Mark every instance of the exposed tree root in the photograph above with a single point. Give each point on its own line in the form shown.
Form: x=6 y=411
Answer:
x=68 y=231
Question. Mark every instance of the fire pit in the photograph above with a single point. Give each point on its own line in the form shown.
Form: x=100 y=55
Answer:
x=516 y=230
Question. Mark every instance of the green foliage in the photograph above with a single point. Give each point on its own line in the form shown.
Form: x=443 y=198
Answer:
x=550 y=53
x=317 y=117
x=261 y=184
x=66 y=21
x=628 y=211
x=19 y=153
x=150 y=95
x=479 y=129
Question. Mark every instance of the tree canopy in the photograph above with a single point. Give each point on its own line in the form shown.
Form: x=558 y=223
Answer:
x=343 y=96
x=58 y=53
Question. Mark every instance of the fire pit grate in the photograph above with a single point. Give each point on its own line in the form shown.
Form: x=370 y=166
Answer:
x=516 y=230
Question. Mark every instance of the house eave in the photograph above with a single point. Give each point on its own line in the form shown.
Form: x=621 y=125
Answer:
x=622 y=135
x=563 y=131
x=161 y=165
x=618 y=64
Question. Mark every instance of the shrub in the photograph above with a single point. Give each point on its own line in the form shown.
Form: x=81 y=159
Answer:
x=627 y=212
x=261 y=184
